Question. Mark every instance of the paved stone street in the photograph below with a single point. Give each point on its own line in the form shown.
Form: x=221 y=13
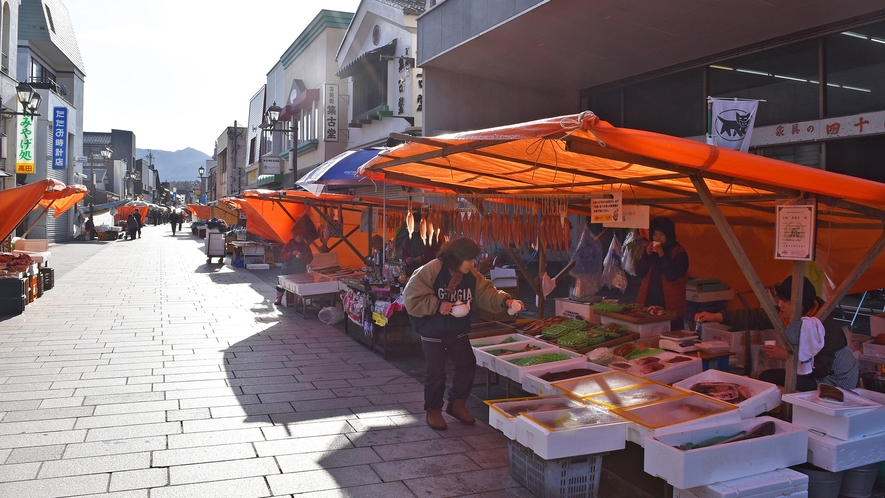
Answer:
x=146 y=372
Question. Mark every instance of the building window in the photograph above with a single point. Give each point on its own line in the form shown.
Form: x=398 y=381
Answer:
x=49 y=19
x=369 y=88
x=4 y=39
x=856 y=70
x=252 y=152
x=39 y=73
x=678 y=98
x=785 y=77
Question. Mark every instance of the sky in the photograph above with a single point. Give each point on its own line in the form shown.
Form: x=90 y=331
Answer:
x=178 y=72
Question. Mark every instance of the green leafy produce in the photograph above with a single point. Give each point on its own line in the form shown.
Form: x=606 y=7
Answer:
x=642 y=353
x=603 y=306
x=559 y=330
x=539 y=359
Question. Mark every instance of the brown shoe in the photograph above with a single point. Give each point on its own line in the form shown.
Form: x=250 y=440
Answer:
x=435 y=419
x=458 y=409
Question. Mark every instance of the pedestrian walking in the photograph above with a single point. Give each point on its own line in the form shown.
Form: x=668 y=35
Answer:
x=174 y=220
x=131 y=226
x=138 y=219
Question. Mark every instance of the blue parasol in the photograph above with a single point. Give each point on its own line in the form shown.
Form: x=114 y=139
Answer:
x=340 y=170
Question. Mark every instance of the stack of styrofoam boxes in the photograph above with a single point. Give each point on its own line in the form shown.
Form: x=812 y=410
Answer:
x=711 y=331
x=686 y=469
x=485 y=359
x=764 y=396
x=775 y=484
x=842 y=436
x=576 y=309
x=643 y=329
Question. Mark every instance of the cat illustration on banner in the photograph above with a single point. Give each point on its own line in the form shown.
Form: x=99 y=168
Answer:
x=734 y=128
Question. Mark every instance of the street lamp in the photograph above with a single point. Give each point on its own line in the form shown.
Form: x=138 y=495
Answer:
x=271 y=118
x=202 y=170
x=28 y=98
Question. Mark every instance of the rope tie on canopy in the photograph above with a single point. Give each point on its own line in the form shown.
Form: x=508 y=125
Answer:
x=585 y=121
x=538 y=145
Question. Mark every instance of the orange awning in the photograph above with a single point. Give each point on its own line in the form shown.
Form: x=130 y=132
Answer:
x=200 y=211
x=579 y=157
x=63 y=199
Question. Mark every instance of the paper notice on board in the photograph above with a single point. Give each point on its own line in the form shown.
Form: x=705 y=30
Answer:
x=795 y=232
x=632 y=216
x=605 y=210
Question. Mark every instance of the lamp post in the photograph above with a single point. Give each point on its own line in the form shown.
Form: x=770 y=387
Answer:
x=202 y=170
x=271 y=118
x=28 y=98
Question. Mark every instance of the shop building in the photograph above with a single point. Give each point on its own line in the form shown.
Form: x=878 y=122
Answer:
x=651 y=65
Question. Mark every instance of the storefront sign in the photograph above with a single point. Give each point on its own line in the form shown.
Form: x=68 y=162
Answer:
x=59 y=137
x=795 y=231
x=330 y=105
x=821 y=129
x=24 y=163
x=632 y=216
x=606 y=209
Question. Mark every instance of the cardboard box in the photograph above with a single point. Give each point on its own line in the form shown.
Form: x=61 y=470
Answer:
x=574 y=309
x=698 y=467
x=877 y=324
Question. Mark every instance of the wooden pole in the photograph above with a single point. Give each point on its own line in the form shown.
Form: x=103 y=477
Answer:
x=851 y=278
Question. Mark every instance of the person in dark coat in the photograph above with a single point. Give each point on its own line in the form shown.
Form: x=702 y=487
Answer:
x=295 y=255
x=174 y=220
x=664 y=271
x=138 y=219
x=131 y=226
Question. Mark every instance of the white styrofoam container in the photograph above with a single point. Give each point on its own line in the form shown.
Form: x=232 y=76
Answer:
x=877 y=324
x=504 y=412
x=498 y=339
x=643 y=329
x=486 y=360
x=532 y=431
x=533 y=383
x=874 y=350
x=706 y=297
x=698 y=467
x=652 y=392
x=574 y=309
x=673 y=372
x=775 y=484
x=764 y=396
x=834 y=421
x=504 y=367
x=836 y=455
x=638 y=433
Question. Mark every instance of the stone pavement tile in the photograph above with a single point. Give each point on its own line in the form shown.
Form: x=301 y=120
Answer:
x=191 y=385
x=110 y=374
x=286 y=419
x=96 y=421
x=460 y=484
x=303 y=445
x=517 y=491
x=419 y=449
x=349 y=391
x=236 y=488
x=114 y=447
x=372 y=423
x=144 y=406
x=212 y=401
x=180 y=369
x=487 y=441
x=203 y=454
x=298 y=395
x=37 y=426
x=233 y=469
x=342 y=477
x=252 y=410
x=242 y=371
x=384 y=490
x=133 y=431
x=401 y=470
x=25 y=387
x=228 y=423
x=377 y=381
x=277 y=380
x=87 y=383
x=403 y=397
x=189 y=377
x=113 y=399
x=307 y=429
x=19 y=471
x=30 y=404
x=61 y=487
x=41 y=439
x=246 y=435
x=138 y=479
x=394 y=436
x=48 y=413
x=402 y=387
x=409 y=420
x=94 y=465
x=48 y=377
x=4 y=453
x=187 y=414
x=144 y=379
x=99 y=391
x=327 y=404
x=331 y=384
x=36 y=453
x=490 y=459
x=326 y=460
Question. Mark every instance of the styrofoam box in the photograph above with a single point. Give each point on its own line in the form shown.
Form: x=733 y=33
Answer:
x=836 y=455
x=496 y=340
x=487 y=360
x=841 y=422
x=644 y=329
x=698 y=467
x=574 y=309
x=706 y=297
x=533 y=383
x=877 y=324
x=500 y=419
x=607 y=434
x=775 y=484
x=637 y=433
x=875 y=350
x=673 y=372
x=718 y=332
x=764 y=396
x=515 y=372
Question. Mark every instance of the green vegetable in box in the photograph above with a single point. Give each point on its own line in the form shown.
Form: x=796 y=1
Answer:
x=559 y=330
x=605 y=306
x=539 y=359
x=579 y=340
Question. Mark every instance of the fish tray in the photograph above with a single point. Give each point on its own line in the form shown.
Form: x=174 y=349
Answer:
x=626 y=336
x=636 y=320
x=764 y=396
x=504 y=412
x=533 y=383
x=489 y=361
x=571 y=432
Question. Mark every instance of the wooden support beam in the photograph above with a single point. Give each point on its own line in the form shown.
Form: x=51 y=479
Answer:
x=852 y=278
x=523 y=269
x=542 y=270
x=344 y=237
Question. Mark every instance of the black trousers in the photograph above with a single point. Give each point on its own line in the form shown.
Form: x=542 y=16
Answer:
x=778 y=376
x=461 y=354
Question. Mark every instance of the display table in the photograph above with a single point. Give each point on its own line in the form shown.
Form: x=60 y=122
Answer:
x=368 y=324
x=253 y=252
x=310 y=287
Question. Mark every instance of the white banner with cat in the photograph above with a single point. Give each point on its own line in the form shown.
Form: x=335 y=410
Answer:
x=731 y=123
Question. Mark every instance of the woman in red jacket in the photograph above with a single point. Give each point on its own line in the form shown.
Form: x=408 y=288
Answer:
x=664 y=268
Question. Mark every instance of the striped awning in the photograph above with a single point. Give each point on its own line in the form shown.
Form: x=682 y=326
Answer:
x=267 y=179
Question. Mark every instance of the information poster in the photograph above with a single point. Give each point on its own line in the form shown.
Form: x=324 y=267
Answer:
x=606 y=209
x=631 y=216
x=795 y=231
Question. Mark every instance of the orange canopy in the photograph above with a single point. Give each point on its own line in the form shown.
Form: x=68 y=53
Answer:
x=63 y=199
x=16 y=203
x=123 y=212
x=200 y=211
x=581 y=157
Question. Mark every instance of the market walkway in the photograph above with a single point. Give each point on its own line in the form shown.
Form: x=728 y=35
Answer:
x=146 y=372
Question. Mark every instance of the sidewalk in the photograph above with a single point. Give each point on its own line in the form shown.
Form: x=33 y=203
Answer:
x=146 y=372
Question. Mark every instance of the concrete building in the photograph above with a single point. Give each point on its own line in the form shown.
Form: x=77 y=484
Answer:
x=818 y=65
x=230 y=157
x=110 y=173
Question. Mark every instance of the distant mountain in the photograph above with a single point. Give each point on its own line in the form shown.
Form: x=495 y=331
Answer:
x=181 y=165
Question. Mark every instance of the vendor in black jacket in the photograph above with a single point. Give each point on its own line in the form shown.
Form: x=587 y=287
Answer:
x=834 y=364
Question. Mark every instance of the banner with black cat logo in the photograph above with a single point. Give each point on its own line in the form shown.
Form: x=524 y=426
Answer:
x=731 y=122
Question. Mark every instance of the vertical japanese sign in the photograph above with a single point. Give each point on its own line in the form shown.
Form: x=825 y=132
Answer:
x=330 y=99
x=795 y=231
x=24 y=162
x=59 y=137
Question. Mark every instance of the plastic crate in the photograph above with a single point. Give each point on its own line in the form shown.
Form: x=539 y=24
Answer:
x=47 y=275
x=574 y=477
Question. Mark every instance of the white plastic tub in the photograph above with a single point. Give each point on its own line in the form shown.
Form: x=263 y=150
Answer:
x=643 y=329
x=780 y=483
x=533 y=383
x=698 y=467
x=571 y=432
x=836 y=455
x=497 y=340
x=690 y=411
x=504 y=412
x=764 y=396
x=505 y=367
x=856 y=417
x=489 y=361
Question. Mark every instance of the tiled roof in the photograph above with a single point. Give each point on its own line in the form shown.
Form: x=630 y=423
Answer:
x=408 y=6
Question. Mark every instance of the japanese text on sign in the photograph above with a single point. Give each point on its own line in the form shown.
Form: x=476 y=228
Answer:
x=330 y=105
x=795 y=232
x=605 y=210
x=59 y=137
x=24 y=163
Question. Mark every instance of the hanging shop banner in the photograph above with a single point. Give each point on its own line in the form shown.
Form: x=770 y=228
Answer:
x=24 y=163
x=731 y=122
x=795 y=231
x=330 y=104
x=632 y=216
x=606 y=209
x=59 y=137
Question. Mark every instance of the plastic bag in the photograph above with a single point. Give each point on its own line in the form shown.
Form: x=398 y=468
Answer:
x=587 y=271
x=330 y=315
x=631 y=251
x=612 y=273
